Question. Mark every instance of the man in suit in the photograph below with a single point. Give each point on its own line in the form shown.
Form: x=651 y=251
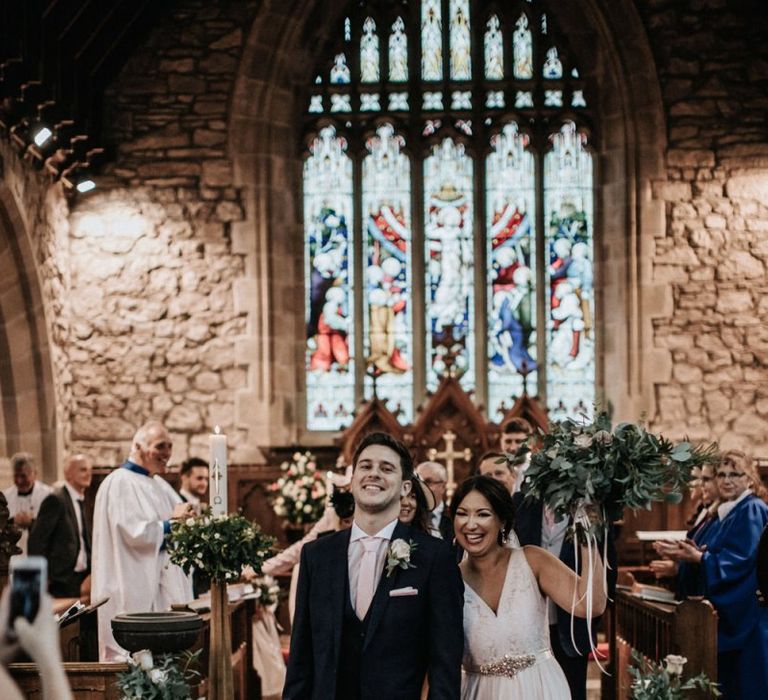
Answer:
x=193 y=481
x=378 y=607
x=435 y=476
x=535 y=524
x=62 y=531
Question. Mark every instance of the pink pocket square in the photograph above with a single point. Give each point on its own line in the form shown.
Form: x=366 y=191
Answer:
x=399 y=592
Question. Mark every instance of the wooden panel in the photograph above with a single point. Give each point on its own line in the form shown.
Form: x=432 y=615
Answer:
x=88 y=681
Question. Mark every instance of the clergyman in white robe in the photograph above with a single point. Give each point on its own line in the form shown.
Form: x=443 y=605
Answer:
x=130 y=563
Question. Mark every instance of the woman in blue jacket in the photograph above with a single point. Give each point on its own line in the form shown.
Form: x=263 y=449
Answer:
x=728 y=567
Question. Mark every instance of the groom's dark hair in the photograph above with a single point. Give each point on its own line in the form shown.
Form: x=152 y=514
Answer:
x=406 y=460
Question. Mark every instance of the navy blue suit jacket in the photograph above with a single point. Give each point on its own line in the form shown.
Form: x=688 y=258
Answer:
x=528 y=516
x=407 y=637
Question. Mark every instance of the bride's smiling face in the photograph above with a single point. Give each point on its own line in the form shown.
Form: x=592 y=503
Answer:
x=476 y=524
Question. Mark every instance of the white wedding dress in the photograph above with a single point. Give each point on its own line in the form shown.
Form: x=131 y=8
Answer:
x=507 y=655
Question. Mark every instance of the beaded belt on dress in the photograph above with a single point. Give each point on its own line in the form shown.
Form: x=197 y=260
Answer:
x=509 y=665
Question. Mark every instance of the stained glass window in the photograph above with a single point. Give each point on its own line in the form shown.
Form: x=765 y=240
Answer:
x=570 y=299
x=448 y=214
x=431 y=40
x=388 y=313
x=369 y=53
x=330 y=275
x=494 y=50
x=461 y=240
x=398 y=52
x=511 y=267
x=461 y=62
x=522 y=44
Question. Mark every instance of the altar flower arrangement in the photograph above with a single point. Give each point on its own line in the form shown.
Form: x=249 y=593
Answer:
x=299 y=494
x=652 y=681
x=166 y=678
x=218 y=546
x=614 y=468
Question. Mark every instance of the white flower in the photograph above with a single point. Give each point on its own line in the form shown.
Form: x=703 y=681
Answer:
x=583 y=440
x=158 y=677
x=143 y=659
x=603 y=436
x=400 y=549
x=674 y=664
x=296 y=456
x=189 y=522
x=307 y=508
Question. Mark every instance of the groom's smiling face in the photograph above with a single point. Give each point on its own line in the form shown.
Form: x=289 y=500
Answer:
x=377 y=481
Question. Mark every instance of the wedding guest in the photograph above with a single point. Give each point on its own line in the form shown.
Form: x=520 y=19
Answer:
x=416 y=506
x=193 y=479
x=507 y=653
x=435 y=475
x=26 y=495
x=516 y=434
x=728 y=561
x=688 y=576
x=40 y=640
x=132 y=517
x=498 y=467
x=62 y=532
x=536 y=524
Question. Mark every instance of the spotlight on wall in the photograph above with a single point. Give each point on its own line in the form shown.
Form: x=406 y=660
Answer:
x=42 y=136
x=78 y=178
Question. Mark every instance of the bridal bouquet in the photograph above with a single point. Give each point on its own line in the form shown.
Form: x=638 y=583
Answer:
x=299 y=494
x=613 y=468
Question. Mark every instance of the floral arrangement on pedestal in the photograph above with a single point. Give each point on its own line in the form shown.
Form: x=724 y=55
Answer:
x=219 y=547
x=166 y=678
x=298 y=496
x=652 y=681
x=613 y=468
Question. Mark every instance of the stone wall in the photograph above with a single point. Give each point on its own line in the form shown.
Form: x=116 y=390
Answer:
x=713 y=67
x=154 y=323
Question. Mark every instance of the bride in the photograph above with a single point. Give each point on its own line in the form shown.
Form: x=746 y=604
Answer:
x=507 y=654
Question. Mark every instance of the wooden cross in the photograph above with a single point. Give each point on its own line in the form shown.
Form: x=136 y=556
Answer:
x=449 y=455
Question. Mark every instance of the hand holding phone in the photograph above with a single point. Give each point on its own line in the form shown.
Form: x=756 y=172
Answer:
x=29 y=576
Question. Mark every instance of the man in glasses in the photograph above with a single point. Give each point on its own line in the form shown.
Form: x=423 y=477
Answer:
x=434 y=475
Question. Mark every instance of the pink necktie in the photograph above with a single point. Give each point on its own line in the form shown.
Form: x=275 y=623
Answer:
x=366 y=581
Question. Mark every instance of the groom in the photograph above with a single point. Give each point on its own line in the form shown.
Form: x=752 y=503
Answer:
x=378 y=607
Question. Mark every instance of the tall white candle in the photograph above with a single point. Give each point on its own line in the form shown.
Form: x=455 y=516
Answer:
x=217 y=485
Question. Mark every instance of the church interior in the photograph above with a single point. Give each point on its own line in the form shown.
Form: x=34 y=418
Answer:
x=295 y=223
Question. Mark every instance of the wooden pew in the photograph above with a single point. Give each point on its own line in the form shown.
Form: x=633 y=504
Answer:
x=656 y=629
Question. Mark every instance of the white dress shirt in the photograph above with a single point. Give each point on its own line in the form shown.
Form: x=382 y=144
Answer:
x=82 y=555
x=725 y=508
x=356 y=551
x=434 y=523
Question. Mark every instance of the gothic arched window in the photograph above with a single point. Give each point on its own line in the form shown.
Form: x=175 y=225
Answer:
x=448 y=211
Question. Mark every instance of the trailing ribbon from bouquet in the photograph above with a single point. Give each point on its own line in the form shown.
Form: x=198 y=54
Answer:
x=591 y=464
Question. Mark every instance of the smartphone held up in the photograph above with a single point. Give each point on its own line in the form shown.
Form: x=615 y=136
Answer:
x=28 y=581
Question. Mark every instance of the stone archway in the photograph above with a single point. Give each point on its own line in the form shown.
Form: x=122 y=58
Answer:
x=27 y=411
x=611 y=44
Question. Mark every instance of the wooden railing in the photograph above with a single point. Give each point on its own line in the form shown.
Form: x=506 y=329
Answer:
x=656 y=629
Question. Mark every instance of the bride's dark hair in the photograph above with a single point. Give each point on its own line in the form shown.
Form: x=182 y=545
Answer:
x=494 y=493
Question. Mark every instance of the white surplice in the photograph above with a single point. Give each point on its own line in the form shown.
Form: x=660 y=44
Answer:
x=28 y=503
x=129 y=565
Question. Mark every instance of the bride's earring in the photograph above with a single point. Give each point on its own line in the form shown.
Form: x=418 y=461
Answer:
x=502 y=537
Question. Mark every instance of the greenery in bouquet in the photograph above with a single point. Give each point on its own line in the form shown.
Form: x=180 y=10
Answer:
x=652 y=681
x=167 y=677
x=218 y=546
x=268 y=589
x=613 y=468
x=299 y=494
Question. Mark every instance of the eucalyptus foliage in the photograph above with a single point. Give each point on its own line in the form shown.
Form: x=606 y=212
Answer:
x=218 y=546
x=652 y=681
x=167 y=677
x=613 y=468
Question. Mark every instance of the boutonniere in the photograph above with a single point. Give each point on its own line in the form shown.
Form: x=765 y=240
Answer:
x=399 y=555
